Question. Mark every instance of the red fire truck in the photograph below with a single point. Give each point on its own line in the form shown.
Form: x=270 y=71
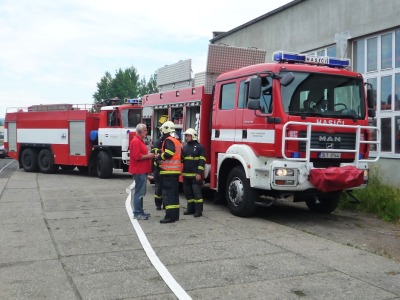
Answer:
x=297 y=127
x=93 y=139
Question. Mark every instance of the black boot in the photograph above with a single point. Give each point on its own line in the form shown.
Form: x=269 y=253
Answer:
x=197 y=214
x=190 y=209
x=164 y=221
x=198 y=209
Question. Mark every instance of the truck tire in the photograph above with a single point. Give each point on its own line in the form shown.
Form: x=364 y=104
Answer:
x=104 y=165
x=29 y=160
x=239 y=195
x=324 y=203
x=46 y=161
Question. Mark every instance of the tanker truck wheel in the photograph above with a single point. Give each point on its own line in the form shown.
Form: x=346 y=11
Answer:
x=104 y=165
x=29 y=160
x=46 y=161
x=239 y=195
x=324 y=203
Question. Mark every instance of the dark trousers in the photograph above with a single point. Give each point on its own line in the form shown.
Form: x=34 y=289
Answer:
x=170 y=195
x=158 y=189
x=194 y=197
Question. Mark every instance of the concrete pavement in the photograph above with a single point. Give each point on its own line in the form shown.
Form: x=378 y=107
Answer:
x=69 y=236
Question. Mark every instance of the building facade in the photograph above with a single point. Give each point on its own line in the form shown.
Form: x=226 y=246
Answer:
x=367 y=32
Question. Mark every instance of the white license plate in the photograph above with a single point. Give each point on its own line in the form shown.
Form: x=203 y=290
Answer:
x=329 y=155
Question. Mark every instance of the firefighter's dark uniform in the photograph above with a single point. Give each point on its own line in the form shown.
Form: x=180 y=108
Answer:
x=156 y=149
x=170 y=170
x=194 y=159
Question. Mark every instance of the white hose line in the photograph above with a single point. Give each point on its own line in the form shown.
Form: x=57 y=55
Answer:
x=179 y=292
x=7 y=165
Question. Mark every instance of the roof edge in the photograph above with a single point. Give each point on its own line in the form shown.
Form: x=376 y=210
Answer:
x=217 y=35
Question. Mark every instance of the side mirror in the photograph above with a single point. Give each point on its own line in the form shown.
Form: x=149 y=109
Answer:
x=288 y=79
x=371 y=113
x=255 y=88
x=253 y=104
x=370 y=98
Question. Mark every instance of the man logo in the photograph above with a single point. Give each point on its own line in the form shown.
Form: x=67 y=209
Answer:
x=329 y=146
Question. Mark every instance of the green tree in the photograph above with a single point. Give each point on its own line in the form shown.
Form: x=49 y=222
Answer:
x=149 y=87
x=104 y=88
x=125 y=84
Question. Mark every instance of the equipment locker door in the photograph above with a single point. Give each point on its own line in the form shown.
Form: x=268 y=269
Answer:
x=77 y=140
x=12 y=136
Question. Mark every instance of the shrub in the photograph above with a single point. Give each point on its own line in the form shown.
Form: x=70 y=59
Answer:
x=378 y=198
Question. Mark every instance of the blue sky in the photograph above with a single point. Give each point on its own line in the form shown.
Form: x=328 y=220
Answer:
x=56 y=51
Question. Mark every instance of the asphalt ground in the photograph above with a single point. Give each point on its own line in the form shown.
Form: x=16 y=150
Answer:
x=70 y=236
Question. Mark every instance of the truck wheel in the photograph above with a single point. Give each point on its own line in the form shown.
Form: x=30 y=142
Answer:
x=104 y=165
x=29 y=160
x=240 y=196
x=324 y=203
x=46 y=161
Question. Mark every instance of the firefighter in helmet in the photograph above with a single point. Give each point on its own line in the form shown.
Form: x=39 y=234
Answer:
x=156 y=149
x=194 y=160
x=170 y=170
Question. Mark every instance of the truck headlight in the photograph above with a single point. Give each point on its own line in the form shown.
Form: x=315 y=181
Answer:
x=285 y=176
x=284 y=172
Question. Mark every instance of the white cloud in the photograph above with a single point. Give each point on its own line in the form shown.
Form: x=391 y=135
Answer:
x=56 y=51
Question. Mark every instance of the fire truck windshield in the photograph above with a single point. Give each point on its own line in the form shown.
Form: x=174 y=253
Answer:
x=131 y=117
x=315 y=94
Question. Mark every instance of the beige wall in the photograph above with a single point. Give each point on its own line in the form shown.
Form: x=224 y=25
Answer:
x=306 y=25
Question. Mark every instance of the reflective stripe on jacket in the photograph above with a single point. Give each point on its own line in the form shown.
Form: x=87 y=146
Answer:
x=194 y=159
x=171 y=158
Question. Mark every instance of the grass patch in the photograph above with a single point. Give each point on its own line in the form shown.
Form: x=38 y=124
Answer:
x=378 y=198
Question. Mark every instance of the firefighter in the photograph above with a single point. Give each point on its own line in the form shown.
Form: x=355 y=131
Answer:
x=170 y=170
x=194 y=160
x=156 y=149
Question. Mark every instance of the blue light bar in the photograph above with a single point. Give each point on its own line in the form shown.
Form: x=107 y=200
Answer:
x=282 y=56
x=134 y=101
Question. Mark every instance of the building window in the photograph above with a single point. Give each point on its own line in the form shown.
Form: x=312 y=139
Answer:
x=386 y=131
x=386 y=51
x=378 y=59
x=397 y=48
x=396 y=98
x=372 y=54
x=397 y=135
x=331 y=51
x=386 y=92
x=359 y=57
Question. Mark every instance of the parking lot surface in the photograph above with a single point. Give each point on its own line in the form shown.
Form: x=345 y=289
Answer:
x=69 y=236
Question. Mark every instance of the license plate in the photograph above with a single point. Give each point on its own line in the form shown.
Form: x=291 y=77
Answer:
x=329 y=155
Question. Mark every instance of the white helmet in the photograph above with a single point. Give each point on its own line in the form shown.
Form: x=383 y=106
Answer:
x=192 y=132
x=168 y=127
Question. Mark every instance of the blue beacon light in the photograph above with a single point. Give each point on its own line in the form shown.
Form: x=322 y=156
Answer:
x=134 y=101
x=282 y=56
